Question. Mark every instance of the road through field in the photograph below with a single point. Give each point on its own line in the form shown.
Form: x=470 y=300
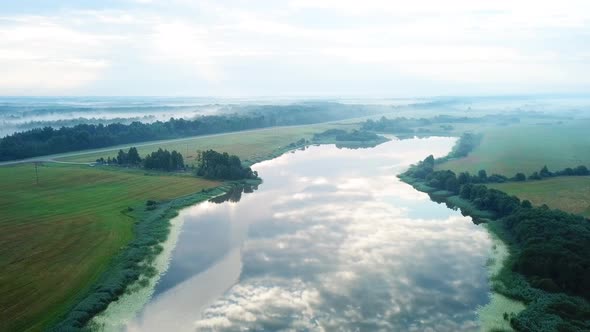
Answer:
x=55 y=157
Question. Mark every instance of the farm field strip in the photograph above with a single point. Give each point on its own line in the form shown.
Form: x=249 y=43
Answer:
x=568 y=193
x=57 y=237
x=527 y=148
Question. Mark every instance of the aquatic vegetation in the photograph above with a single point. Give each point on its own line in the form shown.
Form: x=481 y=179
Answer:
x=496 y=315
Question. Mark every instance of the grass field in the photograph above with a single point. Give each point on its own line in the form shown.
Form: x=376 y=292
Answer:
x=526 y=148
x=58 y=236
x=568 y=193
x=250 y=146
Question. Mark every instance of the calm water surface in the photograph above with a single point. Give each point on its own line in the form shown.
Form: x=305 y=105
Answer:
x=332 y=241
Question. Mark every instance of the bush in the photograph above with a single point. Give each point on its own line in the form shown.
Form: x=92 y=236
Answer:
x=519 y=177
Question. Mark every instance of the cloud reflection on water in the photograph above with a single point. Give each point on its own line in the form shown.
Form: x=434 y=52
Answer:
x=333 y=241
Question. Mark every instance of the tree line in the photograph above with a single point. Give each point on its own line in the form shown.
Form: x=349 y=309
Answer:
x=545 y=173
x=350 y=136
x=482 y=175
x=210 y=164
x=407 y=125
x=551 y=250
x=162 y=160
x=44 y=141
x=466 y=143
x=49 y=140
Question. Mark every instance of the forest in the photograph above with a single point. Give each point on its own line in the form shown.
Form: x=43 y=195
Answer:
x=49 y=140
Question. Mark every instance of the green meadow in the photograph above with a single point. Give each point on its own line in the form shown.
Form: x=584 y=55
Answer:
x=526 y=148
x=58 y=236
x=568 y=193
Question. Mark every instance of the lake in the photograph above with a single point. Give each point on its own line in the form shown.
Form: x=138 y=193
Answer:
x=331 y=240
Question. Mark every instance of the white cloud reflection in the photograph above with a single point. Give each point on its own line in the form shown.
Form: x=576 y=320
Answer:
x=351 y=256
x=341 y=247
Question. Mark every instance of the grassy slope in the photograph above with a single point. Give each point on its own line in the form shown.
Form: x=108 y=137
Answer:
x=250 y=146
x=57 y=237
x=568 y=193
x=526 y=148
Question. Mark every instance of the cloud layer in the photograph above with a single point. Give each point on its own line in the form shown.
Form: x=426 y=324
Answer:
x=294 y=47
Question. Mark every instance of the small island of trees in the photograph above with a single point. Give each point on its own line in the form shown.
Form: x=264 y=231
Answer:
x=215 y=165
x=343 y=135
x=210 y=164
x=162 y=160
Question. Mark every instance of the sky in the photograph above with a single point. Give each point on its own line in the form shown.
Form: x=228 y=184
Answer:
x=236 y=48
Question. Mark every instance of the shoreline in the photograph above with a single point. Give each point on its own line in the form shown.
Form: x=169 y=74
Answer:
x=87 y=309
x=154 y=264
x=120 y=311
x=550 y=301
x=492 y=315
x=137 y=264
x=152 y=267
x=498 y=312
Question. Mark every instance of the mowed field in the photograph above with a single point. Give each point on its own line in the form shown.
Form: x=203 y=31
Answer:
x=58 y=236
x=250 y=146
x=526 y=148
x=568 y=193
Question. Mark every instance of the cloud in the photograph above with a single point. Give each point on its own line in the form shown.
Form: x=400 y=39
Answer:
x=263 y=305
x=318 y=260
x=330 y=261
x=301 y=46
x=188 y=45
x=40 y=54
